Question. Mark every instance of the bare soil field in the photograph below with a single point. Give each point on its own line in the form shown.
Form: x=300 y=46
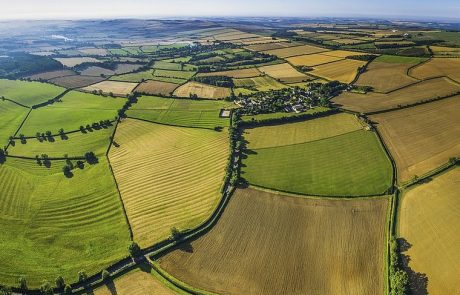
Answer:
x=156 y=87
x=296 y=50
x=344 y=71
x=168 y=176
x=115 y=87
x=430 y=212
x=436 y=67
x=285 y=73
x=312 y=59
x=202 y=91
x=241 y=73
x=421 y=138
x=271 y=46
x=51 y=75
x=372 y=102
x=295 y=241
x=386 y=76
x=76 y=81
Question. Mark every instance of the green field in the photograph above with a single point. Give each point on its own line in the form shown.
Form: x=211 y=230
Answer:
x=399 y=59
x=262 y=83
x=173 y=74
x=74 y=145
x=249 y=118
x=53 y=225
x=11 y=117
x=82 y=100
x=348 y=163
x=28 y=93
x=134 y=77
x=173 y=66
x=180 y=112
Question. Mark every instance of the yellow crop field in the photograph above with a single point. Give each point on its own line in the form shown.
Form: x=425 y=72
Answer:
x=421 y=138
x=297 y=50
x=430 y=214
x=285 y=73
x=301 y=244
x=344 y=71
x=311 y=60
x=271 y=46
x=202 y=91
x=240 y=73
x=436 y=67
x=414 y=93
x=344 y=53
x=263 y=83
x=168 y=176
x=115 y=87
x=445 y=51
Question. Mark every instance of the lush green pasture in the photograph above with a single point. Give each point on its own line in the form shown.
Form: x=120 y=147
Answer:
x=173 y=74
x=399 y=59
x=349 y=164
x=73 y=144
x=53 y=225
x=134 y=77
x=82 y=100
x=180 y=112
x=28 y=93
x=173 y=66
x=11 y=117
x=170 y=80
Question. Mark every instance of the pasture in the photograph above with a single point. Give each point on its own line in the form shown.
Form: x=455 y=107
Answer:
x=436 y=67
x=156 y=87
x=185 y=75
x=371 y=102
x=296 y=50
x=421 y=138
x=134 y=77
x=75 y=81
x=11 y=117
x=343 y=71
x=53 y=225
x=168 y=176
x=240 y=73
x=387 y=73
x=28 y=93
x=262 y=83
x=429 y=212
x=286 y=158
x=285 y=73
x=180 y=112
x=163 y=65
x=202 y=91
x=114 y=87
x=295 y=241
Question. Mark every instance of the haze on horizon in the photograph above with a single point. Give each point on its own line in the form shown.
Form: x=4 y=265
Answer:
x=64 y=9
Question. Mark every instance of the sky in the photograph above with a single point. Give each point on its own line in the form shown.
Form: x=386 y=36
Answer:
x=77 y=9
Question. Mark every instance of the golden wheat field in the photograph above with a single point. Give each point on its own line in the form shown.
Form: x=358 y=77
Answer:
x=430 y=222
x=296 y=50
x=285 y=73
x=436 y=67
x=115 y=87
x=311 y=60
x=240 y=73
x=343 y=71
x=421 y=138
x=285 y=237
x=371 y=102
x=202 y=91
x=168 y=176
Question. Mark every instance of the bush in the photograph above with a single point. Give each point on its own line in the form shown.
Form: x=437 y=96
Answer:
x=105 y=275
x=22 y=283
x=134 y=249
x=67 y=290
x=46 y=288
x=60 y=282
x=82 y=276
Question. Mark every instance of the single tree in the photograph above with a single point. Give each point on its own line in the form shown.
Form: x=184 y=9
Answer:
x=22 y=283
x=46 y=288
x=134 y=249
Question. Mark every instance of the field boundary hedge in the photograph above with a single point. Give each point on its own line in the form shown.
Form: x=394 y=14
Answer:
x=290 y=119
x=166 y=124
x=19 y=128
x=18 y=103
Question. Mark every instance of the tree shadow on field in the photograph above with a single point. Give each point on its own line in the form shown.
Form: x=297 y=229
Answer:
x=418 y=282
x=111 y=287
x=185 y=247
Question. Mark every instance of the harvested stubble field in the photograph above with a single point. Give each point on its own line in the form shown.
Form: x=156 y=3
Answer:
x=445 y=51
x=296 y=50
x=436 y=67
x=421 y=138
x=343 y=53
x=28 y=93
x=180 y=112
x=299 y=157
x=262 y=83
x=53 y=225
x=76 y=81
x=387 y=73
x=430 y=212
x=156 y=88
x=294 y=240
x=52 y=75
x=202 y=91
x=168 y=176
x=74 y=145
x=285 y=73
x=139 y=282
x=115 y=87
x=240 y=73
x=271 y=46
x=312 y=59
x=372 y=102
x=344 y=71
x=11 y=117
x=74 y=61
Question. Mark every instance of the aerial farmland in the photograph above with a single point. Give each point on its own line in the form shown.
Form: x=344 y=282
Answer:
x=229 y=156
